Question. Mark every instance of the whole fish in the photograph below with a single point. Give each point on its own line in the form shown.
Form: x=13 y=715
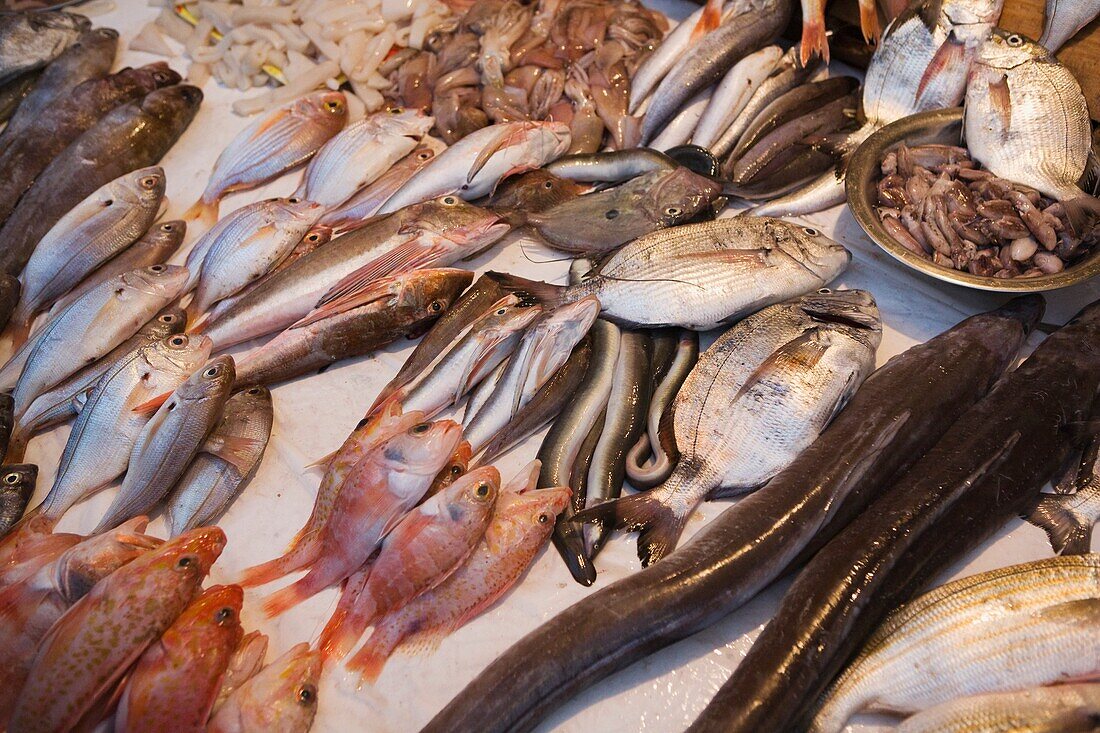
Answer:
x=99 y=446
x=674 y=45
x=9 y=297
x=519 y=527
x=29 y=608
x=276 y=142
x=753 y=25
x=392 y=307
x=544 y=348
x=280 y=698
x=446 y=227
x=29 y=41
x=381 y=488
x=1026 y=120
x=237 y=256
x=1069 y=708
x=473 y=166
x=982 y=472
x=758 y=397
x=733 y=93
x=1064 y=20
x=88 y=329
x=601 y=222
x=99 y=227
x=950 y=642
x=17 y=482
x=360 y=154
x=364 y=204
x=69 y=97
x=1068 y=519
x=701 y=275
x=174 y=684
x=678 y=130
x=171 y=438
x=225 y=463
x=246 y=662
x=67 y=399
x=128 y=137
x=611 y=165
x=90 y=648
x=422 y=551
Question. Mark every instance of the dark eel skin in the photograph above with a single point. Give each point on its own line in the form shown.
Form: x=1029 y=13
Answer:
x=899 y=413
x=985 y=470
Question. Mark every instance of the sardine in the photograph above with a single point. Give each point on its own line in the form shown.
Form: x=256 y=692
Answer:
x=29 y=41
x=17 y=482
x=701 y=275
x=1064 y=19
x=950 y=642
x=281 y=697
x=734 y=92
x=1068 y=519
x=1065 y=707
x=276 y=142
x=226 y=462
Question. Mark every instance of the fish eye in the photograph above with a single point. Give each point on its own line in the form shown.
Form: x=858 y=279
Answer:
x=149 y=181
x=420 y=428
x=824 y=291
x=212 y=371
x=333 y=105
x=169 y=227
x=186 y=561
x=167 y=318
x=253 y=391
x=224 y=614
x=177 y=341
x=108 y=202
x=501 y=311
x=548 y=185
x=544 y=518
x=156 y=268
x=482 y=490
x=1015 y=41
x=456 y=470
x=313 y=237
x=436 y=306
x=424 y=156
x=307 y=694
x=810 y=231
x=449 y=200
x=395 y=110
x=171 y=406
x=294 y=200
x=11 y=478
x=160 y=76
x=673 y=211
x=611 y=213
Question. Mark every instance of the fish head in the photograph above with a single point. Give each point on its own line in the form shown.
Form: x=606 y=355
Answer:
x=404 y=121
x=153 y=76
x=457 y=466
x=560 y=138
x=970 y=12
x=520 y=520
x=556 y=334
x=852 y=308
x=296 y=212
x=170 y=104
x=328 y=110
x=190 y=555
x=20 y=479
x=285 y=690
x=433 y=291
x=473 y=494
x=418 y=450
x=216 y=613
x=165 y=281
x=824 y=257
x=166 y=236
x=251 y=398
x=1004 y=51
x=215 y=378
x=678 y=195
x=460 y=222
x=86 y=563
x=180 y=353
x=143 y=187
x=501 y=327
x=169 y=321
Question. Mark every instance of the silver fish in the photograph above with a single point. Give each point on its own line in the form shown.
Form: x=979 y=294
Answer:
x=225 y=463
x=1064 y=18
x=170 y=439
x=89 y=328
x=98 y=228
x=1072 y=708
x=29 y=41
x=733 y=93
x=757 y=397
x=98 y=449
x=1006 y=629
x=650 y=72
x=1068 y=519
x=678 y=130
x=702 y=275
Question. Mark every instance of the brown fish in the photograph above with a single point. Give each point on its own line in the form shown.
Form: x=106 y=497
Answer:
x=531 y=193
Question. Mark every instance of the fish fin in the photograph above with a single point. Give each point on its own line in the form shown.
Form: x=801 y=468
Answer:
x=323 y=461
x=754 y=257
x=1081 y=612
x=407 y=256
x=149 y=407
x=379 y=647
x=19 y=330
x=287 y=598
x=502 y=139
x=949 y=55
x=1069 y=533
x=17 y=446
x=708 y=21
x=868 y=21
x=369 y=291
x=1000 y=97
x=203 y=211
x=343 y=630
x=805 y=352
x=814 y=41
x=659 y=525
x=305 y=550
x=236 y=450
x=549 y=295
x=1082 y=212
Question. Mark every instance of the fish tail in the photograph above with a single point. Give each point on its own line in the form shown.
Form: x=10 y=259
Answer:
x=203 y=211
x=658 y=524
x=373 y=655
x=551 y=296
x=286 y=598
x=814 y=41
x=193 y=316
x=1082 y=212
x=868 y=21
x=348 y=621
x=1069 y=532
x=708 y=21
x=300 y=554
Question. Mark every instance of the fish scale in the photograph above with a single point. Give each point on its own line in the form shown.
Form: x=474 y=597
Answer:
x=1064 y=707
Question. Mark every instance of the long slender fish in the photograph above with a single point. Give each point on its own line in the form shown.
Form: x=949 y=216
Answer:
x=611 y=165
x=1069 y=708
x=900 y=412
x=1064 y=19
x=981 y=473
x=734 y=92
x=14 y=92
x=650 y=72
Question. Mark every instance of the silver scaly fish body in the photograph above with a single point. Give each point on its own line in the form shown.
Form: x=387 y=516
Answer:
x=1006 y=629
x=734 y=92
x=649 y=74
x=1072 y=708
x=1064 y=18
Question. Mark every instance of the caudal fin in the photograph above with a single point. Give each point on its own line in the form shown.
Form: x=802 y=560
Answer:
x=548 y=295
x=1070 y=533
x=1083 y=212
x=379 y=647
x=203 y=211
x=814 y=41
x=659 y=527
x=298 y=591
x=868 y=21
x=301 y=554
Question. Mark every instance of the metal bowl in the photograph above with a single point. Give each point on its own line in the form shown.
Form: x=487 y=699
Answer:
x=938 y=126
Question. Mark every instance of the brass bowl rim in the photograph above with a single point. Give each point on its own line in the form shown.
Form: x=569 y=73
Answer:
x=859 y=187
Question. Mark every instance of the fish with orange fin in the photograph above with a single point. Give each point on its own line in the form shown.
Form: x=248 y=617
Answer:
x=429 y=544
x=519 y=528
x=31 y=544
x=382 y=487
x=815 y=41
x=280 y=140
x=280 y=698
x=175 y=683
x=89 y=649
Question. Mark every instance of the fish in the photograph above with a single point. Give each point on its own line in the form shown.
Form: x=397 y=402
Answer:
x=1063 y=20
x=1030 y=123
x=9 y=298
x=29 y=609
x=171 y=439
x=131 y=608
x=474 y=166
x=246 y=248
x=214 y=479
x=752 y=26
x=544 y=348
x=601 y=222
x=674 y=45
x=1068 y=519
x=518 y=529
x=111 y=219
x=91 y=327
x=129 y=137
x=17 y=482
x=1064 y=707
x=428 y=545
x=886 y=426
x=657 y=440
x=734 y=92
x=246 y=662
x=29 y=41
x=280 y=140
x=280 y=698
x=531 y=193
x=679 y=129
x=174 y=684
x=611 y=165
x=981 y=473
x=439 y=229
x=672 y=277
x=67 y=399
x=392 y=307
x=361 y=153
x=759 y=396
x=381 y=488
x=98 y=448
x=947 y=643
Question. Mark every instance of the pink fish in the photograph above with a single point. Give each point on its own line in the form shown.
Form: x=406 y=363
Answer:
x=246 y=662
x=281 y=698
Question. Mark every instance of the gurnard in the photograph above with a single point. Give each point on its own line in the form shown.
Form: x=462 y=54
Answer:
x=899 y=413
